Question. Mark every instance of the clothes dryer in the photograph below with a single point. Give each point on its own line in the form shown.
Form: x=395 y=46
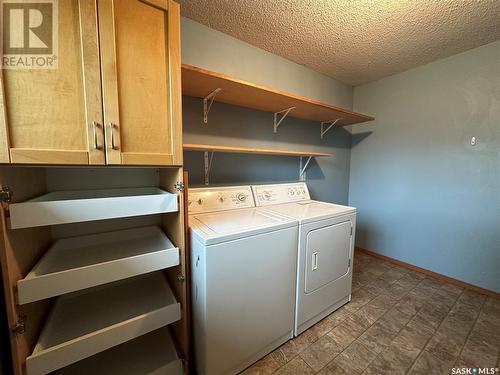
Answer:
x=325 y=249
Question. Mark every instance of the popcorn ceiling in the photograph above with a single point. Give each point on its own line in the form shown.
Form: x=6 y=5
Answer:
x=354 y=41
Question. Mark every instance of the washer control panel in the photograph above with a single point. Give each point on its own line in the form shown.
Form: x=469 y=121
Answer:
x=266 y=195
x=219 y=199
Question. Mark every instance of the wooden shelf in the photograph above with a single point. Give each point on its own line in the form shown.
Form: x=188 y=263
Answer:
x=199 y=83
x=153 y=353
x=82 y=262
x=62 y=207
x=86 y=323
x=251 y=150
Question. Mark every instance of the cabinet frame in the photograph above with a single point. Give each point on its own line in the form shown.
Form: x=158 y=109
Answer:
x=21 y=249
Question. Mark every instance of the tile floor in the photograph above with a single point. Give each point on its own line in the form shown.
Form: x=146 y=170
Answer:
x=398 y=322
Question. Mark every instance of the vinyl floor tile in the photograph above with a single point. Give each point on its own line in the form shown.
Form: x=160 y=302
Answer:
x=398 y=322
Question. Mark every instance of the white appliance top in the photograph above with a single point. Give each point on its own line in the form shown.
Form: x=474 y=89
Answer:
x=293 y=201
x=223 y=214
x=310 y=210
x=266 y=195
x=219 y=199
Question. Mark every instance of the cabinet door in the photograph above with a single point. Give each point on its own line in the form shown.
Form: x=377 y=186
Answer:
x=141 y=81
x=54 y=116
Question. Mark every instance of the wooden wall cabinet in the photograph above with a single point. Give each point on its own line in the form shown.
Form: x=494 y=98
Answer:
x=115 y=97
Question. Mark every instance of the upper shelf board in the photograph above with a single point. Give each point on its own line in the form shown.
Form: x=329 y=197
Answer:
x=250 y=150
x=199 y=82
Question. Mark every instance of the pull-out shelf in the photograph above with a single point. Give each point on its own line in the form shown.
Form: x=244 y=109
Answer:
x=62 y=207
x=88 y=322
x=82 y=262
x=151 y=354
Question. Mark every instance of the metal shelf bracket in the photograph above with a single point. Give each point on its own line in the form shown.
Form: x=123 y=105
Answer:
x=330 y=124
x=208 y=156
x=207 y=103
x=303 y=167
x=278 y=120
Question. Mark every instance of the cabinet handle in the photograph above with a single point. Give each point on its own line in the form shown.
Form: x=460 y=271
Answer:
x=95 y=125
x=112 y=136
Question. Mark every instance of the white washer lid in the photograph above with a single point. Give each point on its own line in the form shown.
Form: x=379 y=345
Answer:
x=310 y=210
x=216 y=227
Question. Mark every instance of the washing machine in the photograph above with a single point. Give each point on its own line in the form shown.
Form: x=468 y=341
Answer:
x=325 y=249
x=243 y=273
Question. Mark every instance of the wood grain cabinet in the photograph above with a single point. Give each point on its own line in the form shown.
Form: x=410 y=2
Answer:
x=96 y=281
x=115 y=97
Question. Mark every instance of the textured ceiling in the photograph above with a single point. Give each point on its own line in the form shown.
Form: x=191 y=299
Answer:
x=354 y=41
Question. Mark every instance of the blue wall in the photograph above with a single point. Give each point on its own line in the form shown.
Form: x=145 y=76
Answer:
x=210 y=49
x=328 y=178
x=424 y=194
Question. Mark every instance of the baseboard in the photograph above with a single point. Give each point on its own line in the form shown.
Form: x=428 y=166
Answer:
x=432 y=274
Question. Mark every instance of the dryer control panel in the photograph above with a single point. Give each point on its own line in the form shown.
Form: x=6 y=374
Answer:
x=219 y=199
x=266 y=195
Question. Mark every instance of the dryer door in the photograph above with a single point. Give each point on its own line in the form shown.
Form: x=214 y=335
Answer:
x=327 y=255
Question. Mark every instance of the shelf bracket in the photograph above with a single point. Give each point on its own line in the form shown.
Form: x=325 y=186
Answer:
x=207 y=159
x=278 y=120
x=330 y=124
x=303 y=166
x=207 y=103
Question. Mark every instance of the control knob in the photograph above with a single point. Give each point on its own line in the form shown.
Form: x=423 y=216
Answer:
x=266 y=195
x=241 y=197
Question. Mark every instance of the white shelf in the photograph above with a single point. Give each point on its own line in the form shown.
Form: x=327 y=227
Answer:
x=78 y=263
x=88 y=322
x=62 y=207
x=151 y=354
